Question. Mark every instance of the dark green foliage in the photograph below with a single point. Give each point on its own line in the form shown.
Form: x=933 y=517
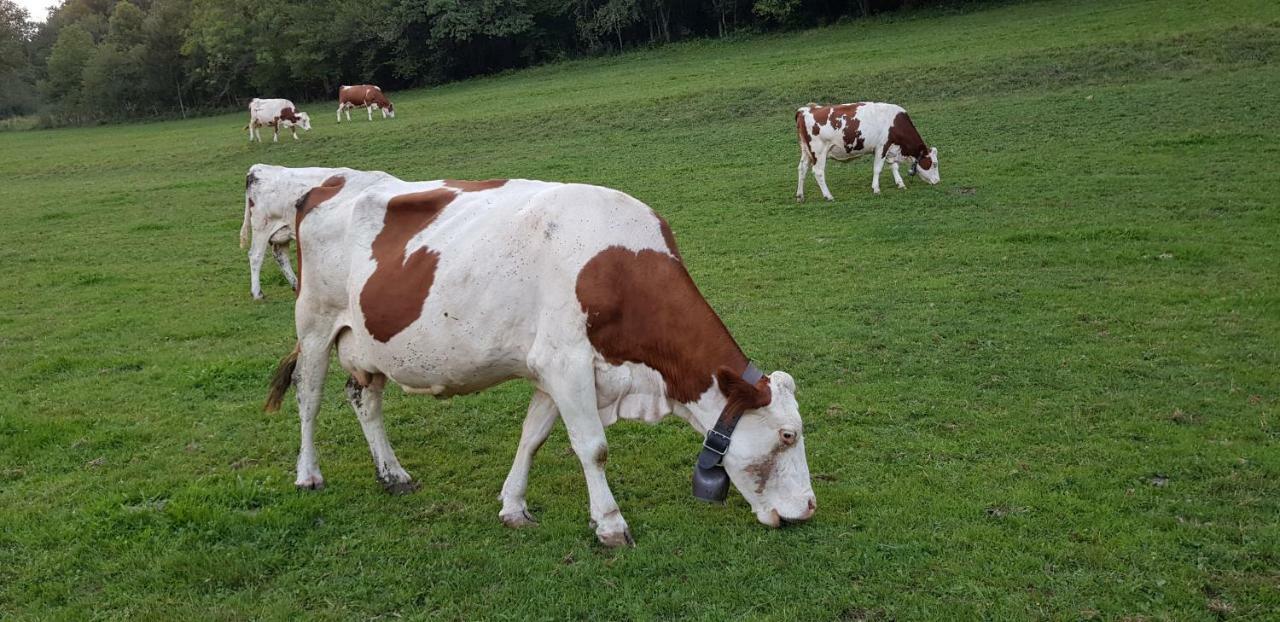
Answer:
x=17 y=90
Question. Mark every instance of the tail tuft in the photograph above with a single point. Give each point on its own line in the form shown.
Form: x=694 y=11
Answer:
x=282 y=379
x=244 y=226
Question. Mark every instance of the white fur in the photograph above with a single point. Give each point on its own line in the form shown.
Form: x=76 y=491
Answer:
x=269 y=223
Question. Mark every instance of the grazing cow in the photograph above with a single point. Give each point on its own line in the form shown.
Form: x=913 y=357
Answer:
x=450 y=287
x=269 y=198
x=365 y=96
x=847 y=131
x=276 y=113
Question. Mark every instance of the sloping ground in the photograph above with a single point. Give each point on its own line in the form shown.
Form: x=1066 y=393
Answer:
x=1046 y=388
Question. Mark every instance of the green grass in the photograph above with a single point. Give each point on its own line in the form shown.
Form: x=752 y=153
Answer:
x=1046 y=388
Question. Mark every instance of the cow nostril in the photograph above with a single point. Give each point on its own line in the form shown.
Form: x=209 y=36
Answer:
x=813 y=504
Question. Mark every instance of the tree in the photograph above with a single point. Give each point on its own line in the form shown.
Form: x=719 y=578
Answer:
x=124 y=28
x=67 y=61
x=15 y=67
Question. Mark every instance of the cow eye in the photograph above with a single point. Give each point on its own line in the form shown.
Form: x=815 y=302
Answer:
x=788 y=436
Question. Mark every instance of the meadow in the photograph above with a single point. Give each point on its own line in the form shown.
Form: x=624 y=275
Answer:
x=1046 y=388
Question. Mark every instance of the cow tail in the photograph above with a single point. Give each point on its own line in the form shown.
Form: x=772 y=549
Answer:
x=802 y=134
x=244 y=227
x=282 y=379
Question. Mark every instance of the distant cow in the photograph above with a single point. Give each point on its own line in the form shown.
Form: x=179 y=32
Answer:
x=269 y=197
x=847 y=131
x=276 y=113
x=450 y=287
x=365 y=96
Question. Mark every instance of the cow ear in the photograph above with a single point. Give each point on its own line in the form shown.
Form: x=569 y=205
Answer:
x=741 y=393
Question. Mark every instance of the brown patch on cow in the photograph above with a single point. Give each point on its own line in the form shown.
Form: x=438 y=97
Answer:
x=806 y=151
x=250 y=180
x=315 y=196
x=642 y=307
x=903 y=134
x=740 y=396
x=820 y=114
x=474 y=186
x=602 y=455
x=307 y=202
x=287 y=114
x=844 y=117
x=762 y=469
x=668 y=237
x=926 y=163
x=395 y=293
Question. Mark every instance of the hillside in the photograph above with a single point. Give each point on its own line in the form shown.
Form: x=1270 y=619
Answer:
x=1045 y=388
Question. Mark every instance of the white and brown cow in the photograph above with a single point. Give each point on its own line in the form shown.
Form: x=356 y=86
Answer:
x=270 y=198
x=365 y=96
x=847 y=131
x=275 y=113
x=450 y=287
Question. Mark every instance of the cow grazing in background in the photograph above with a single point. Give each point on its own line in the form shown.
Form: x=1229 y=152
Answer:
x=269 y=208
x=276 y=113
x=450 y=287
x=365 y=96
x=847 y=131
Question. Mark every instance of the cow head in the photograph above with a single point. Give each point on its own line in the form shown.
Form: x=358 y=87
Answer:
x=765 y=459
x=304 y=120
x=390 y=110
x=927 y=167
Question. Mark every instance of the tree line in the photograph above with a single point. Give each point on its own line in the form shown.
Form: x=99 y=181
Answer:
x=105 y=60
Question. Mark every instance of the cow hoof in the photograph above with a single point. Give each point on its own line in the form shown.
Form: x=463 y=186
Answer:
x=399 y=487
x=799 y=198
x=516 y=520
x=311 y=483
x=258 y=296
x=831 y=199
x=902 y=186
x=617 y=539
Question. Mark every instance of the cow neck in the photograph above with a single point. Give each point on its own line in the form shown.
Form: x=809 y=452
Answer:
x=713 y=408
x=642 y=307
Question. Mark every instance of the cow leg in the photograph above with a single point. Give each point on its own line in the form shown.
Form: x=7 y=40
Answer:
x=537 y=425
x=366 y=400
x=875 y=173
x=281 y=253
x=313 y=364
x=251 y=131
x=339 y=113
x=347 y=111
x=820 y=174
x=294 y=130
x=257 y=252
x=897 y=177
x=275 y=137
x=369 y=109
x=804 y=170
x=571 y=383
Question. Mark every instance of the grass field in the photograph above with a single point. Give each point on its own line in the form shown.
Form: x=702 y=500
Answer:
x=1047 y=388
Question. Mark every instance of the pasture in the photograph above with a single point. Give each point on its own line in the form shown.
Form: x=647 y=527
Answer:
x=1047 y=388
